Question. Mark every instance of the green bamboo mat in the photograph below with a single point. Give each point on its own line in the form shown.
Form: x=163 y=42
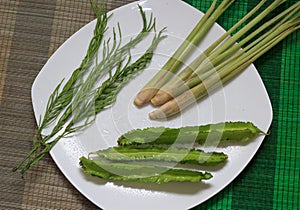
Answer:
x=30 y=31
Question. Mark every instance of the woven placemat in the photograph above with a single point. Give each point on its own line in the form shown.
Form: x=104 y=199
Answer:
x=30 y=32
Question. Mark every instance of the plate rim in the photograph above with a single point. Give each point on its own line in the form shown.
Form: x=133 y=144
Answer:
x=55 y=158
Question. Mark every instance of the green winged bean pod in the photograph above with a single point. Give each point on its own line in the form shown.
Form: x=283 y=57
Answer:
x=154 y=153
x=215 y=133
x=140 y=173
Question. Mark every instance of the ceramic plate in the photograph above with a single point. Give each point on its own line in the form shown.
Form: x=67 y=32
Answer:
x=244 y=99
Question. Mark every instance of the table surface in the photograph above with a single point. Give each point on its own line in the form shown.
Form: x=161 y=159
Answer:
x=31 y=31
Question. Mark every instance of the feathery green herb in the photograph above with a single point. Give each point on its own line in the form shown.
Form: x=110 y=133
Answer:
x=86 y=100
x=59 y=100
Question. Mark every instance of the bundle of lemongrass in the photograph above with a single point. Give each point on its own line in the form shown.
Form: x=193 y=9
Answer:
x=221 y=61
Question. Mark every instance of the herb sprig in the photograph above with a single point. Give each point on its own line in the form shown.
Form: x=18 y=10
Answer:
x=79 y=101
x=59 y=100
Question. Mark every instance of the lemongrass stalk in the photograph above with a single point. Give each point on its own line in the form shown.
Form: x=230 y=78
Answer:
x=228 y=74
x=230 y=45
x=253 y=46
x=232 y=40
x=190 y=68
x=257 y=54
x=284 y=16
x=215 y=62
x=252 y=54
x=289 y=13
x=188 y=43
x=206 y=68
x=165 y=93
x=184 y=100
x=175 y=62
x=172 y=61
x=256 y=51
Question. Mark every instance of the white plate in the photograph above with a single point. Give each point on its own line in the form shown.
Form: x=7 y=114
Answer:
x=245 y=99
